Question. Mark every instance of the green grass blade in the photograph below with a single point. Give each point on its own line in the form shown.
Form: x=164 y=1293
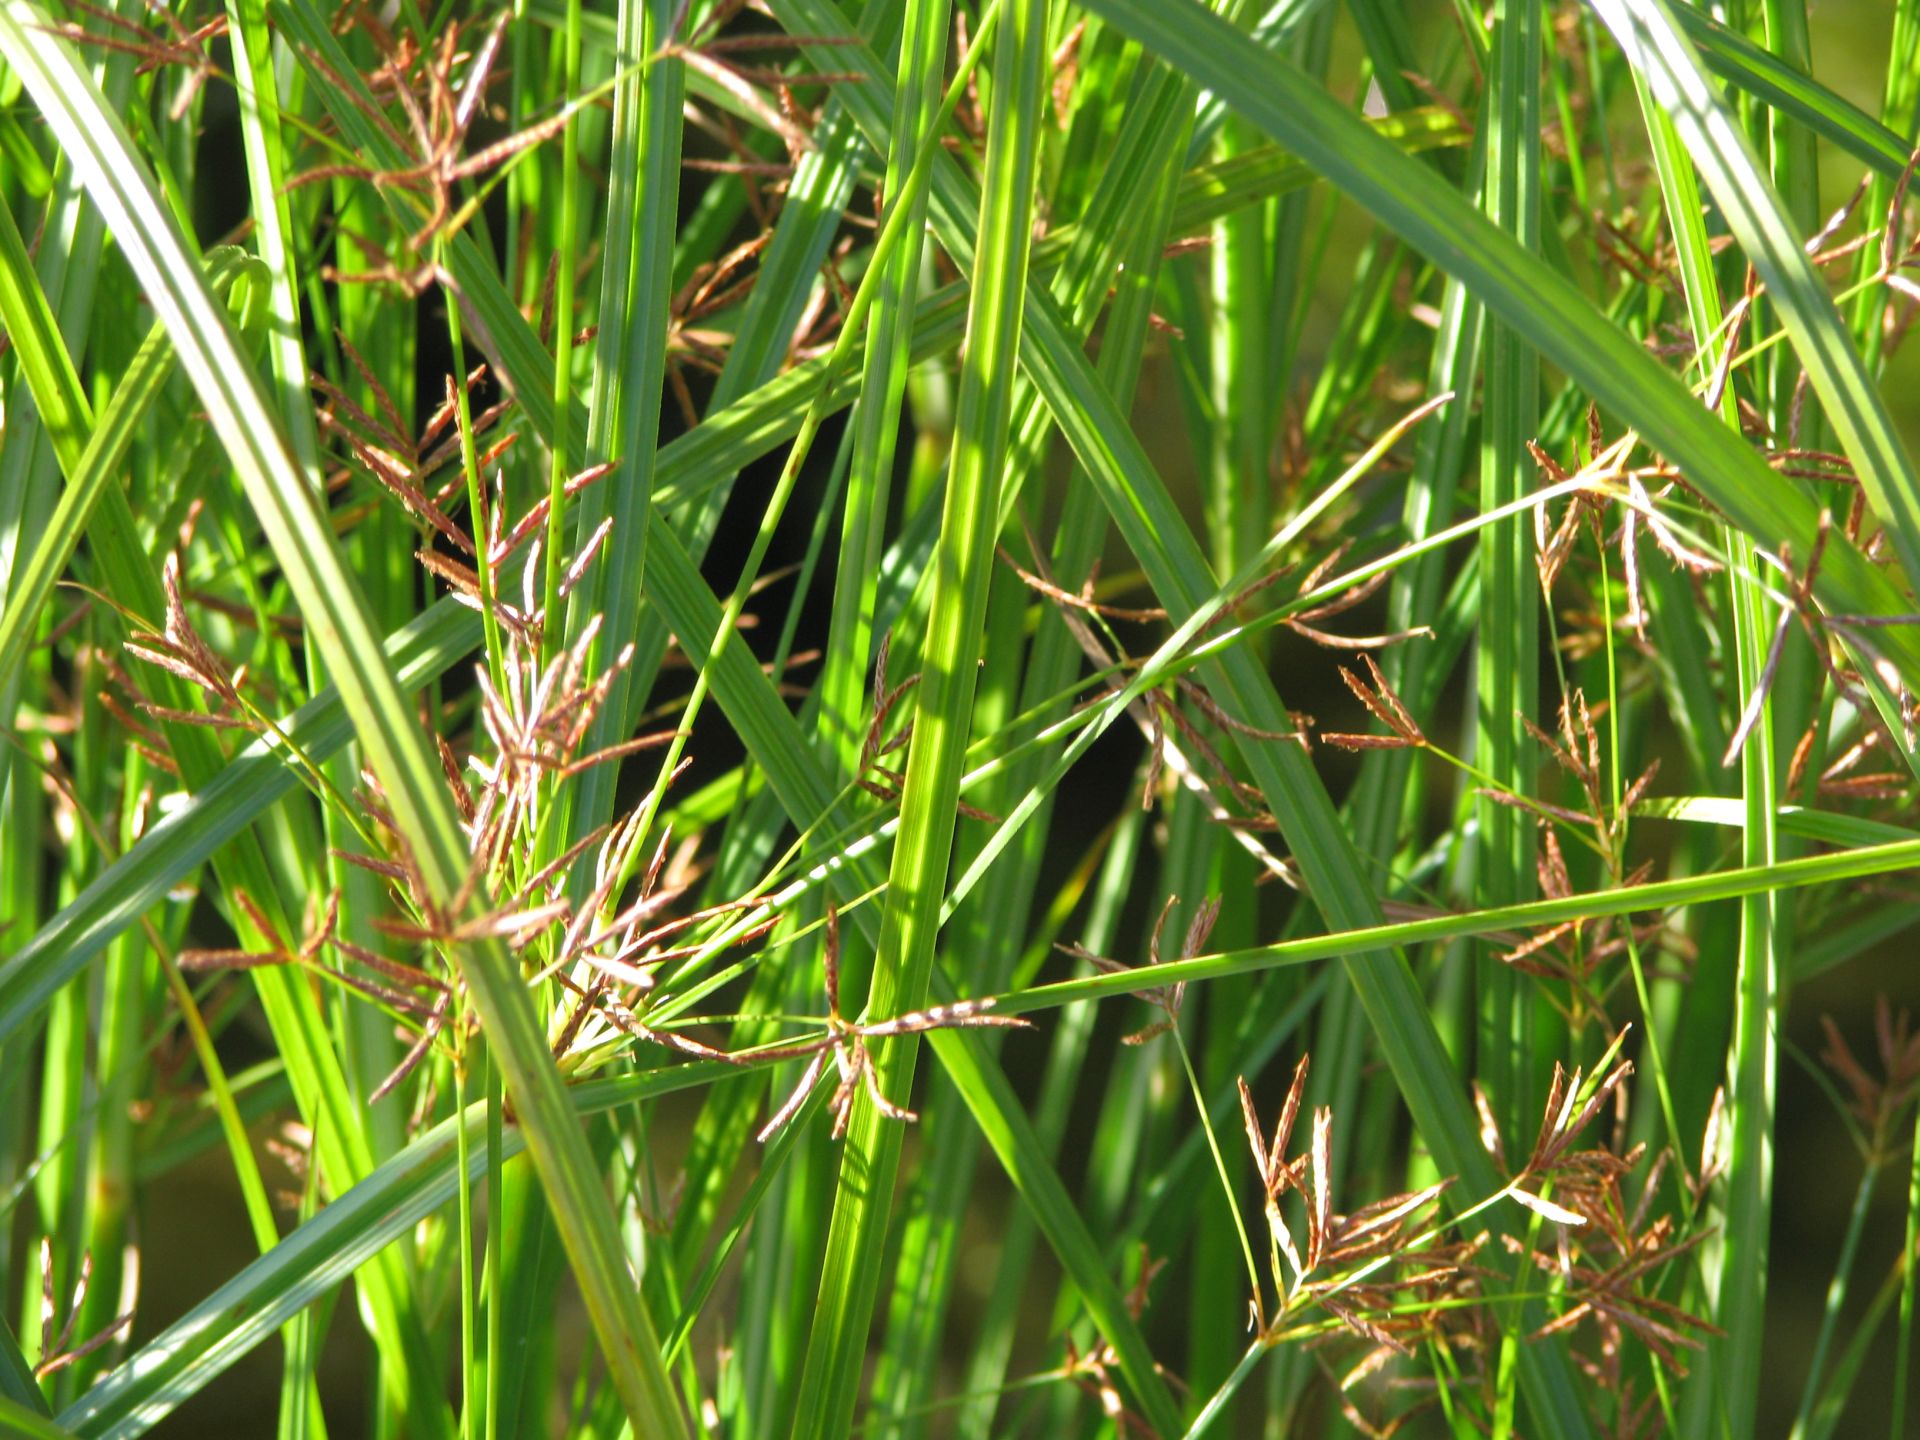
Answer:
x=18 y=1420
x=1651 y=40
x=1765 y=76
x=339 y=624
x=852 y=640
x=1539 y=303
x=44 y=362
x=91 y=469
x=1828 y=827
x=1903 y=1367
x=177 y=845
x=1003 y=1120
x=1844 y=1384
x=420 y=652
x=315 y=1259
x=1737 y=1357
x=1507 y=647
x=772 y=736
x=263 y=143
x=129 y=579
x=1145 y=514
x=16 y=1376
x=629 y=374
x=1660 y=895
x=964 y=563
x=1238 y=185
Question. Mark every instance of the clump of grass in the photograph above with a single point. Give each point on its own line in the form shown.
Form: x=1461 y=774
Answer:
x=444 y=768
